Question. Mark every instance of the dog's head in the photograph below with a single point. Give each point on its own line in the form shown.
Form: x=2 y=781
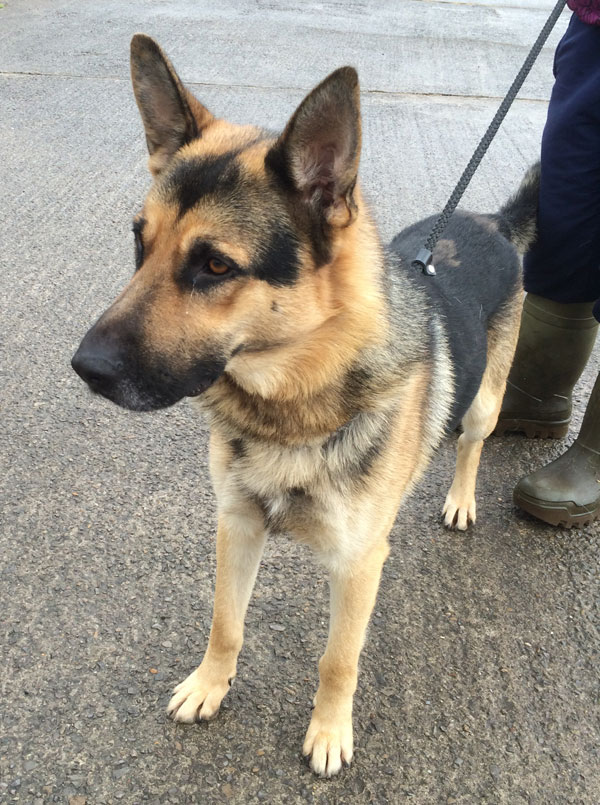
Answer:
x=233 y=244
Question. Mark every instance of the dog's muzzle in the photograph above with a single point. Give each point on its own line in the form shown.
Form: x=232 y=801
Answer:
x=113 y=367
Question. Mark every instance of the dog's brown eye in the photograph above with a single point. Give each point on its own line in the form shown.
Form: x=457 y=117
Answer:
x=217 y=266
x=204 y=267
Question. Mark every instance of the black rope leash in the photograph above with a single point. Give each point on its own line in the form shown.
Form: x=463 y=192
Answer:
x=424 y=257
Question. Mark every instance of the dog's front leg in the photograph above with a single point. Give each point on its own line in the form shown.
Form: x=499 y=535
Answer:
x=353 y=590
x=240 y=545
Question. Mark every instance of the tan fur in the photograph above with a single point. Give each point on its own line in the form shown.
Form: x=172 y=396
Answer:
x=486 y=221
x=344 y=305
x=446 y=250
x=219 y=137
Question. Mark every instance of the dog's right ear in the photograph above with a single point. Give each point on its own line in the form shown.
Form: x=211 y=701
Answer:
x=171 y=115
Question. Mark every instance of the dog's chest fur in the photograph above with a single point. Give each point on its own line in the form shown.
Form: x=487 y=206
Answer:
x=313 y=491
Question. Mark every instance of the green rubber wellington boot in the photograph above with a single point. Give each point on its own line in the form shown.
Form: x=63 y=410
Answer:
x=555 y=342
x=566 y=492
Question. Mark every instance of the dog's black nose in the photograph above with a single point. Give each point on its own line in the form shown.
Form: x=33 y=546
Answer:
x=100 y=368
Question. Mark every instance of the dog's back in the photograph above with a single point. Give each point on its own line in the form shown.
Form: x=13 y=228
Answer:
x=477 y=273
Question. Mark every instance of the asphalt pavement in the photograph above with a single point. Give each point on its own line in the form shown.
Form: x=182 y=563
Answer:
x=479 y=680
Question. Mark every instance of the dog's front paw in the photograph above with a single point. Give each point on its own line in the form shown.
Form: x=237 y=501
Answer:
x=329 y=744
x=199 y=696
x=458 y=513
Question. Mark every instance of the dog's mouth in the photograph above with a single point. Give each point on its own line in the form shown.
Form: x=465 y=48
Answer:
x=206 y=382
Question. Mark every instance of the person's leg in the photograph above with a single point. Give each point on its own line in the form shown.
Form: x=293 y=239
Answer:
x=562 y=270
x=562 y=280
x=564 y=263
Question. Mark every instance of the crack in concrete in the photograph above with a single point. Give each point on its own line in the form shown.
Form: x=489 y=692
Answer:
x=385 y=92
x=516 y=7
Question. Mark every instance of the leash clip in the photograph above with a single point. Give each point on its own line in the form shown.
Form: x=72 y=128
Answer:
x=423 y=261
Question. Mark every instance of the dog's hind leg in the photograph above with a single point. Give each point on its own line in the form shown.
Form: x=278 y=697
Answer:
x=240 y=543
x=480 y=420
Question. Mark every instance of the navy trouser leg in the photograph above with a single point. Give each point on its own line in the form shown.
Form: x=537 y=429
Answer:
x=564 y=265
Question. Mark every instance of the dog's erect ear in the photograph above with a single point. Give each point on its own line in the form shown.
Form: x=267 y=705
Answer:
x=319 y=149
x=171 y=115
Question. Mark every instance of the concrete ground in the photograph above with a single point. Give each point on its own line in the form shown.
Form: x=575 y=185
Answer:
x=479 y=679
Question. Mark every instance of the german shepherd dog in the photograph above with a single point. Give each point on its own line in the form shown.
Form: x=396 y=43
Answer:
x=329 y=368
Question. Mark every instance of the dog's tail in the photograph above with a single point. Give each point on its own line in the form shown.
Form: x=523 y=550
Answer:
x=517 y=219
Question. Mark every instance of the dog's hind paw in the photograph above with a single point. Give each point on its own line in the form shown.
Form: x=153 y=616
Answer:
x=329 y=746
x=198 y=697
x=458 y=514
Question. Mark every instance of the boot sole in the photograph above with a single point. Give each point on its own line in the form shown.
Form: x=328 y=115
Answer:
x=564 y=514
x=533 y=429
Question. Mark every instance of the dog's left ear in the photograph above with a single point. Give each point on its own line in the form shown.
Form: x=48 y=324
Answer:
x=319 y=150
